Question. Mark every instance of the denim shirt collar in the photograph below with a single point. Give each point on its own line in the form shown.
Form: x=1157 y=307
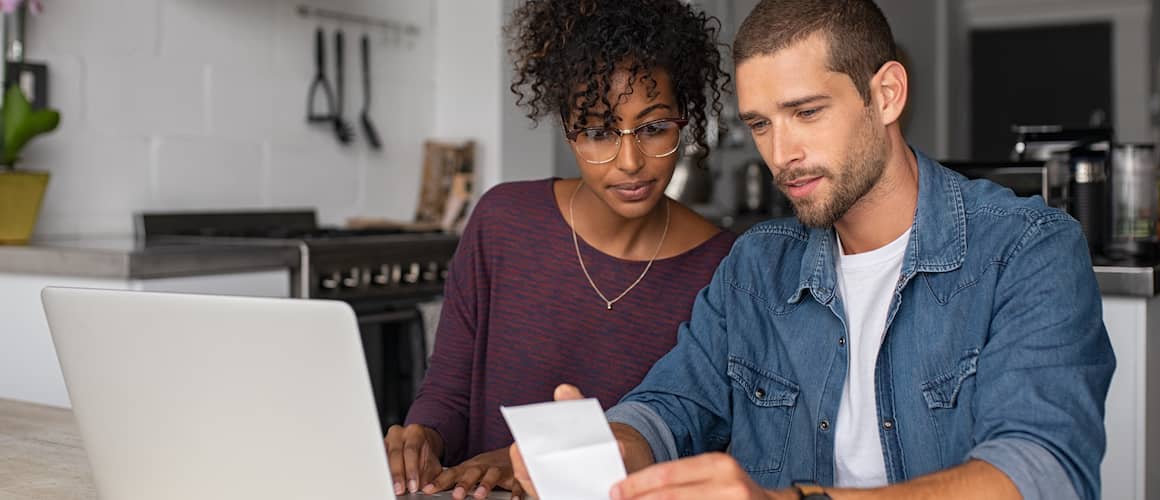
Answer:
x=938 y=236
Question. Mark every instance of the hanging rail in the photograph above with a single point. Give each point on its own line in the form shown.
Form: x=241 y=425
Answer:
x=317 y=12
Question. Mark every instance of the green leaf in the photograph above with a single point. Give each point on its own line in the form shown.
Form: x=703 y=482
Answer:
x=21 y=123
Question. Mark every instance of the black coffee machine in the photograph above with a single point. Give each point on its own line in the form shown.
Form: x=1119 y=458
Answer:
x=1083 y=177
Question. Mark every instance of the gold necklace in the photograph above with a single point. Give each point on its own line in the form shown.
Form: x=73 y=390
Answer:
x=576 y=243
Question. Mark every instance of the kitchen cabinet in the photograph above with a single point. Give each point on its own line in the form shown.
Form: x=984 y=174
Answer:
x=1131 y=467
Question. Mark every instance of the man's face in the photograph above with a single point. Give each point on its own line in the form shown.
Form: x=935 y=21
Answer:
x=825 y=146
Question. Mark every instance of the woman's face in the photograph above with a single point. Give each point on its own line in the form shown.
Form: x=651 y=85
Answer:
x=633 y=182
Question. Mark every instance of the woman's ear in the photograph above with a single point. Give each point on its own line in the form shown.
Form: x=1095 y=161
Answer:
x=889 y=90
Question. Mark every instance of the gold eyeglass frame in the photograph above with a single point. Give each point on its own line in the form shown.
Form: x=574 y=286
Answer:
x=680 y=122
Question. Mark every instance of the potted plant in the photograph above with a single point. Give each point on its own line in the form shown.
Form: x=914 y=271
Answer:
x=21 y=191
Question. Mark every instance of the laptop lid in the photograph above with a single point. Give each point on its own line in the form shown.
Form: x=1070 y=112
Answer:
x=193 y=396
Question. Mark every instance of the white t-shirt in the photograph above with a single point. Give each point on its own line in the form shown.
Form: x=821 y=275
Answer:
x=866 y=282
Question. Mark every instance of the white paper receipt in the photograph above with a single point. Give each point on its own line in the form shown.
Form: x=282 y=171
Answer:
x=568 y=448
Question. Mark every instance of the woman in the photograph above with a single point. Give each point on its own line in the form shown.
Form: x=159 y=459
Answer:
x=576 y=280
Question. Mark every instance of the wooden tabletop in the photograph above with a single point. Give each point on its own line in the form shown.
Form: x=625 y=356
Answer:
x=41 y=457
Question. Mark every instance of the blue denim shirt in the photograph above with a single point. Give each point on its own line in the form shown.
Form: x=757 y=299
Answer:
x=995 y=349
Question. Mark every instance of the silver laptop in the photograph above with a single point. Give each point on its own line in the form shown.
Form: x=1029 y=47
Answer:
x=194 y=396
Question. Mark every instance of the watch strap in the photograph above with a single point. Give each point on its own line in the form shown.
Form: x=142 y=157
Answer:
x=810 y=491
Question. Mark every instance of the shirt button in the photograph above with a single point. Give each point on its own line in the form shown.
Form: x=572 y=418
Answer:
x=887 y=424
x=759 y=393
x=824 y=425
x=841 y=341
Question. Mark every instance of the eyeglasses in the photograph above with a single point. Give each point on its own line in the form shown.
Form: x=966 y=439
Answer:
x=655 y=139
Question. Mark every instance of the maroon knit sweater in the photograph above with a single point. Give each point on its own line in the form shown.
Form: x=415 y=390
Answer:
x=519 y=318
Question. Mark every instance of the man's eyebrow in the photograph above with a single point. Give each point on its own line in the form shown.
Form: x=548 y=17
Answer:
x=794 y=103
x=749 y=115
x=803 y=101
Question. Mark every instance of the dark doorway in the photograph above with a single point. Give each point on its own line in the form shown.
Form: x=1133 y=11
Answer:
x=1052 y=75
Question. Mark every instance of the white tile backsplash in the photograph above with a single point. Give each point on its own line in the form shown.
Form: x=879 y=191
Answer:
x=219 y=31
x=207 y=174
x=96 y=180
x=133 y=96
x=105 y=28
x=326 y=178
x=383 y=195
x=201 y=104
x=241 y=104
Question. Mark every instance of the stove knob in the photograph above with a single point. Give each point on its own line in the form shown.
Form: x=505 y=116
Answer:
x=414 y=272
x=432 y=272
x=382 y=277
x=353 y=278
x=331 y=282
x=396 y=274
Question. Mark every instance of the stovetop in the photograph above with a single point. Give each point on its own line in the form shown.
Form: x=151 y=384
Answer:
x=340 y=263
x=288 y=233
x=295 y=225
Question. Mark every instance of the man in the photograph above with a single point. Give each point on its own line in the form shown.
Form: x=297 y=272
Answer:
x=912 y=334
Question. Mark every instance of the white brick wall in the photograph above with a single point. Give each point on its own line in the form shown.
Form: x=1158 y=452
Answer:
x=200 y=104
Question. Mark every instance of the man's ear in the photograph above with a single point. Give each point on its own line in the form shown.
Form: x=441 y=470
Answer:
x=889 y=90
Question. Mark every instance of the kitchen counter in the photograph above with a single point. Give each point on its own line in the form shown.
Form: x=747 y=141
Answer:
x=1128 y=281
x=42 y=457
x=125 y=258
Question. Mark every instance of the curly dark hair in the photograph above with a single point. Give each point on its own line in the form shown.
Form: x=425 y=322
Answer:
x=566 y=51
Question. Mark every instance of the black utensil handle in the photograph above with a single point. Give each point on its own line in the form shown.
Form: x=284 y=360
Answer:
x=340 y=56
x=319 y=52
x=366 y=71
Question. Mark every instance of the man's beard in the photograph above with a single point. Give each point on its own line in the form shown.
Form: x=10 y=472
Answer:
x=860 y=172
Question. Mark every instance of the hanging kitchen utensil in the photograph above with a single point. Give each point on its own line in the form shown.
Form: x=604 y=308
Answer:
x=342 y=129
x=369 y=130
x=319 y=85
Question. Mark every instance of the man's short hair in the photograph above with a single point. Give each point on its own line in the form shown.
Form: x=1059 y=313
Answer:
x=859 y=36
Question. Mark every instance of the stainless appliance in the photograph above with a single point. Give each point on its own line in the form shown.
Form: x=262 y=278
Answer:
x=1089 y=197
x=1039 y=142
x=1134 y=202
x=757 y=195
x=384 y=274
x=692 y=181
x=754 y=185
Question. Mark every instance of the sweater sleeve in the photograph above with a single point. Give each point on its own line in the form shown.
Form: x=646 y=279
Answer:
x=443 y=400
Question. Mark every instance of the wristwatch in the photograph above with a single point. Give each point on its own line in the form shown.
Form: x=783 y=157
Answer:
x=810 y=491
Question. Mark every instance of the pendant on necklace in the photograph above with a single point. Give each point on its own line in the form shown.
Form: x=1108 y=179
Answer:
x=610 y=306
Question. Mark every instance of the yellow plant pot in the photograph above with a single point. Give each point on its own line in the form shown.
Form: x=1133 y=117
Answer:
x=20 y=195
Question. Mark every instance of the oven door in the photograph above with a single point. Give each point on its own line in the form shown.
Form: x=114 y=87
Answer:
x=396 y=355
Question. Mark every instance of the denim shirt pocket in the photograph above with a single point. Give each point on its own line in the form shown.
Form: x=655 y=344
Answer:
x=943 y=393
x=763 y=404
x=943 y=390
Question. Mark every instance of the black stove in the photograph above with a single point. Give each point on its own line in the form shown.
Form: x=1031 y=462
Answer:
x=391 y=263
x=278 y=232
x=383 y=273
